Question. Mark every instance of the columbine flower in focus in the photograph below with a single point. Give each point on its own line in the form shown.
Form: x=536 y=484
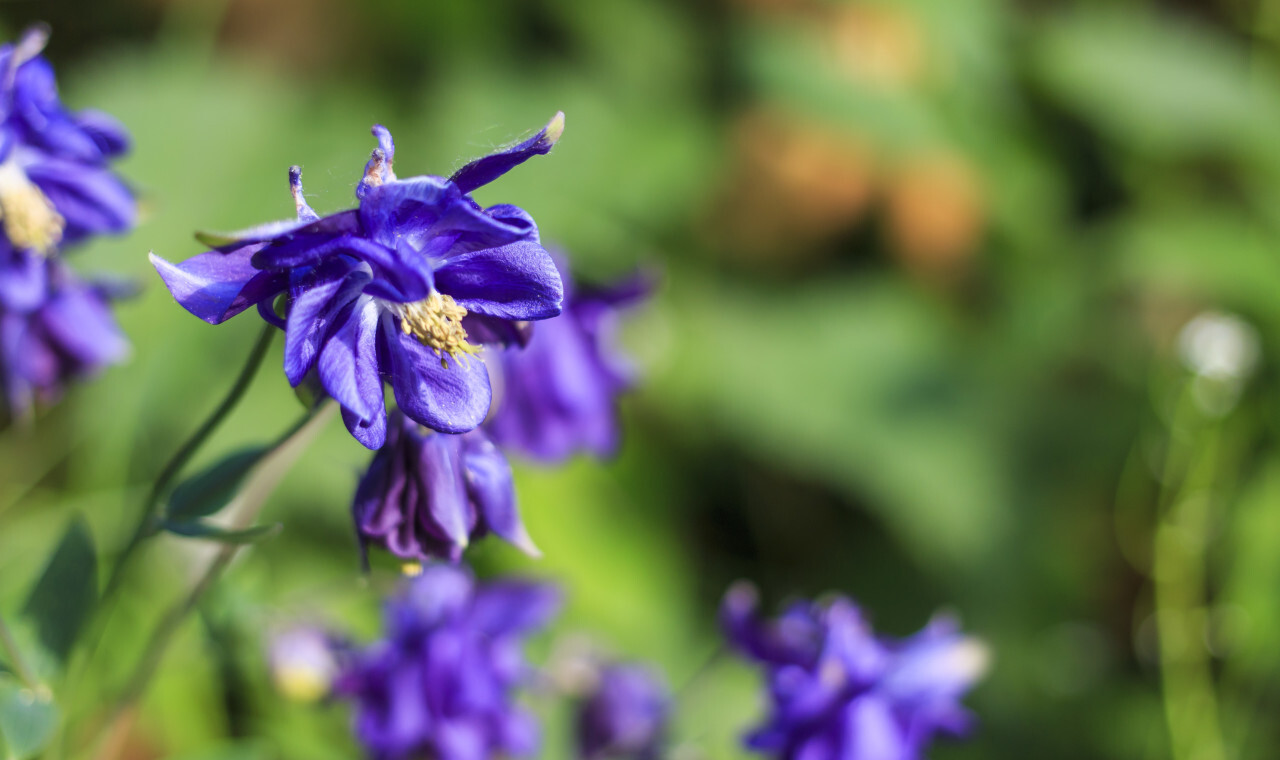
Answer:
x=442 y=683
x=55 y=185
x=624 y=716
x=837 y=691
x=427 y=494
x=405 y=287
x=70 y=334
x=559 y=393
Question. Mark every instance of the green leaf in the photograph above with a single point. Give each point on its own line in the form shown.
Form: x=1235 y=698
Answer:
x=27 y=719
x=212 y=489
x=210 y=532
x=67 y=591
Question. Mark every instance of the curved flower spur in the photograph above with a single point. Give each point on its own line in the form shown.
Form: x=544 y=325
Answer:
x=403 y=288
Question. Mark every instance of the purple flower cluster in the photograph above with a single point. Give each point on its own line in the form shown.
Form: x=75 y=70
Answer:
x=56 y=189
x=837 y=690
x=442 y=684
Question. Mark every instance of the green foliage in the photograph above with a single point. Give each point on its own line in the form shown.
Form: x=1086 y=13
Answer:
x=27 y=720
x=64 y=598
x=210 y=490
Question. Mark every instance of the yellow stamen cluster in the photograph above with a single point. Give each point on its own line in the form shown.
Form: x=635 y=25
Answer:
x=30 y=220
x=436 y=321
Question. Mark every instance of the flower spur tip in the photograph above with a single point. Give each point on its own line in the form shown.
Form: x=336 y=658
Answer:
x=554 y=128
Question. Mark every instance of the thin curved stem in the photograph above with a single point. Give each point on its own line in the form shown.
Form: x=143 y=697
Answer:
x=253 y=495
x=146 y=520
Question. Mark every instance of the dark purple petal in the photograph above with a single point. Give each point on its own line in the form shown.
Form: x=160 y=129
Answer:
x=343 y=222
x=492 y=488
x=106 y=132
x=348 y=364
x=84 y=327
x=24 y=278
x=440 y=472
x=319 y=298
x=482 y=171
x=450 y=399
x=216 y=286
x=517 y=281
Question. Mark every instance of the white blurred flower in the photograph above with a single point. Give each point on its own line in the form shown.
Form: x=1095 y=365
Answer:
x=1222 y=351
x=302 y=664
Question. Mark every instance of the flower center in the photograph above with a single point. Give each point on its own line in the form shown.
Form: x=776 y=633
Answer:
x=30 y=220
x=436 y=321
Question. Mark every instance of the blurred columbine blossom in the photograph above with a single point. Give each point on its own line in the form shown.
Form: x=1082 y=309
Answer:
x=303 y=662
x=625 y=715
x=837 y=690
x=428 y=494
x=55 y=184
x=1221 y=350
x=69 y=334
x=442 y=683
x=403 y=288
x=559 y=393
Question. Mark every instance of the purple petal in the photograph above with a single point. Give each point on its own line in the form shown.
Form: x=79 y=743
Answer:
x=506 y=607
x=492 y=488
x=216 y=286
x=348 y=364
x=24 y=278
x=84 y=327
x=482 y=171
x=321 y=295
x=343 y=222
x=440 y=470
x=452 y=399
x=107 y=133
x=517 y=281
x=91 y=200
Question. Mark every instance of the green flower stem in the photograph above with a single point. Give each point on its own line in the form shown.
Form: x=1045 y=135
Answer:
x=16 y=661
x=1179 y=571
x=147 y=519
x=247 y=505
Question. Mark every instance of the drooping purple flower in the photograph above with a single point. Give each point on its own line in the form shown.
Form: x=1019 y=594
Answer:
x=395 y=289
x=55 y=185
x=427 y=495
x=442 y=684
x=70 y=334
x=839 y=692
x=624 y=716
x=559 y=393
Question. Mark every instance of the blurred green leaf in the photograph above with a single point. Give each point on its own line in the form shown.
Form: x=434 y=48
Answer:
x=67 y=592
x=213 y=488
x=210 y=532
x=27 y=719
x=1160 y=85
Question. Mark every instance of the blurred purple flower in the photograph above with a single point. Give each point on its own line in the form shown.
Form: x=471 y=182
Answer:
x=70 y=334
x=442 y=682
x=395 y=289
x=303 y=662
x=55 y=185
x=838 y=691
x=428 y=494
x=559 y=393
x=624 y=716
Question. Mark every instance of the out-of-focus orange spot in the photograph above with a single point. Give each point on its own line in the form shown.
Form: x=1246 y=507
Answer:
x=793 y=185
x=935 y=214
x=879 y=44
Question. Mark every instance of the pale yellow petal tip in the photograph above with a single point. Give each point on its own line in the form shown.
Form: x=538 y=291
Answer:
x=555 y=127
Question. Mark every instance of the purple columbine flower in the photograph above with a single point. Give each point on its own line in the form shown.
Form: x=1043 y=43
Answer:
x=401 y=288
x=70 y=334
x=624 y=716
x=55 y=185
x=442 y=683
x=837 y=691
x=428 y=494
x=559 y=393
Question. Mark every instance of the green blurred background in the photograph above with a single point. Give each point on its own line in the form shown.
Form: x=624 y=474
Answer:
x=925 y=264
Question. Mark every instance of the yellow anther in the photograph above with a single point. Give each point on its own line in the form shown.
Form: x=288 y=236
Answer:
x=436 y=321
x=411 y=569
x=301 y=683
x=30 y=220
